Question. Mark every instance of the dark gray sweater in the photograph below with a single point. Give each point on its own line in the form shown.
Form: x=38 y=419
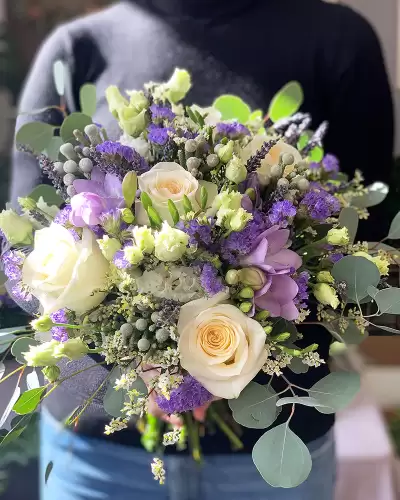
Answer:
x=245 y=47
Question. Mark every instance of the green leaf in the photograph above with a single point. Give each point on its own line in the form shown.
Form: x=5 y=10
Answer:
x=303 y=140
x=173 y=211
x=18 y=426
x=59 y=74
x=49 y=468
x=187 y=205
x=53 y=148
x=255 y=115
x=388 y=300
x=353 y=335
x=48 y=193
x=203 y=197
x=349 y=218
x=286 y=102
x=129 y=188
x=305 y=401
x=36 y=135
x=114 y=400
x=255 y=407
x=316 y=154
x=74 y=121
x=88 y=99
x=146 y=200
x=20 y=346
x=297 y=366
x=232 y=107
x=154 y=216
x=335 y=391
x=282 y=458
x=394 y=231
x=283 y=326
x=191 y=114
x=200 y=119
x=372 y=291
x=358 y=273
x=377 y=192
x=29 y=401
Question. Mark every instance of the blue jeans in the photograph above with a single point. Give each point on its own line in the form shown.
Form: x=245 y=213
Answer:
x=93 y=469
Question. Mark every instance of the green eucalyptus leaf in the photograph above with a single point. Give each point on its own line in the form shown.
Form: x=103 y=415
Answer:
x=387 y=329
x=353 y=335
x=297 y=366
x=20 y=346
x=255 y=407
x=282 y=458
x=283 y=326
x=47 y=473
x=335 y=391
x=372 y=291
x=349 y=218
x=173 y=211
x=388 y=300
x=394 y=231
x=305 y=401
x=29 y=401
x=48 y=193
x=358 y=273
x=74 y=121
x=52 y=151
x=18 y=426
x=303 y=140
x=36 y=135
x=375 y=195
x=114 y=400
x=286 y=102
x=316 y=154
x=88 y=99
x=255 y=115
x=59 y=74
x=232 y=107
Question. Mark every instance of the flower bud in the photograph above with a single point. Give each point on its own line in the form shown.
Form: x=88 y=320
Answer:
x=225 y=152
x=245 y=307
x=51 y=373
x=254 y=277
x=109 y=247
x=132 y=122
x=232 y=277
x=129 y=188
x=127 y=215
x=42 y=324
x=281 y=337
x=262 y=315
x=338 y=236
x=133 y=255
x=144 y=238
x=73 y=349
x=251 y=193
x=138 y=100
x=115 y=100
x=326 y=294
x=178 y=85
x=268 y=329
x=246 y=293
x=325 y=277
x=236 y=171
x=42 y=354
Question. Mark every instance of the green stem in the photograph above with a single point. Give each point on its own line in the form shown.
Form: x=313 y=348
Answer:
x=12 y=373
x=193 y=435
x=66 y=325
x=235 y=441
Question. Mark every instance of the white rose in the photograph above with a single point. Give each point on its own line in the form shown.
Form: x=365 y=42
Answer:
x=139 y=144
x=220 y=346
x=16 y=228
x=64 y=273
x=169 y=181
x=271 y=159
x=170 y=244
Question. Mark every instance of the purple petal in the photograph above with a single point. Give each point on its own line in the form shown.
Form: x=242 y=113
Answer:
x=113 y=186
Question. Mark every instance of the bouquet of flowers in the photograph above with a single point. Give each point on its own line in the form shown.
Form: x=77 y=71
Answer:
x=185 y=253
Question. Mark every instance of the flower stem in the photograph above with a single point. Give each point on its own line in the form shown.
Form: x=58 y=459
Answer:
x=235 y=441
x=193 y=435
x=12 y=373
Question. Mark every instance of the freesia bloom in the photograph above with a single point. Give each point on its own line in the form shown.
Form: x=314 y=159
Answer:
x=279 y=291
x=169 y=181
x=220 y=346
x=64 y=273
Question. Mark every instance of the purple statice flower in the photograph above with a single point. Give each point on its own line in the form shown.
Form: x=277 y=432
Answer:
x=120 y=261
x=59 y=333
x=335 y=257
x=188 y=396
x=63 y=215
x=330 y=163
x=232 y=130
x=158 y=135
x=210 y=281
x=12 y=262
x=189 y=134
x=161 y=112
x=252 y=182
x=198 y=233
x=320 y=204
x=21 y=294
x=302 y=280
x=314 y=165
x=111 y=148
x=117 y=159
x=280 y=212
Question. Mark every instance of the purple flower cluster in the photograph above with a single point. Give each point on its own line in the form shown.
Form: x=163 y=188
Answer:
x=161 y=113
x=232 y=130
x=21 y=294
x=188 y=396
x=302 y=280
x=198 y=233
x=210 y=281
x=12 y=262
x=335 y=257
x=59 y=333
x=320 y=204
x=158 y=135
x=330 y=163
x=63 y=215
x=120 y=261
x=112 y=148
x=117 y=159
x=280 y=212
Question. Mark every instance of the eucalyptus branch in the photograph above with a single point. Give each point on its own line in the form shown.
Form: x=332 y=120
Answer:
x=12 y=373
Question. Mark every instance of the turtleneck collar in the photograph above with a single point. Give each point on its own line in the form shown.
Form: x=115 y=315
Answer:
x=198 y=9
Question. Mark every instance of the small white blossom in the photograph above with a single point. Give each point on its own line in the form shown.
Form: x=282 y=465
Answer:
x=312 y=359
x=126 y=380
x=116 y=424
x=171 y=438
x=166 y=382
x=157 y=468
x=275 y=366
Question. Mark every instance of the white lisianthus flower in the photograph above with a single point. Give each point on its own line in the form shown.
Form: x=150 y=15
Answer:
x=169 y=181
x=109 y=246
x=144 y=238
x=64 y=273
x=139 y=144
x=271 y=159
x=220 y=346
x=170 y=244
x=16 y=228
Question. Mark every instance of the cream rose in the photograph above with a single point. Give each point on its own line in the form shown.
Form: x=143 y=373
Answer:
x=271 y=159
x=169 y=181
x=220 y=346
x=64 y=273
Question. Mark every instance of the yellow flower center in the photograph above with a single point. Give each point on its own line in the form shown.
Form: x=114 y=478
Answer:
x=217 y=338
x=174 y=187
